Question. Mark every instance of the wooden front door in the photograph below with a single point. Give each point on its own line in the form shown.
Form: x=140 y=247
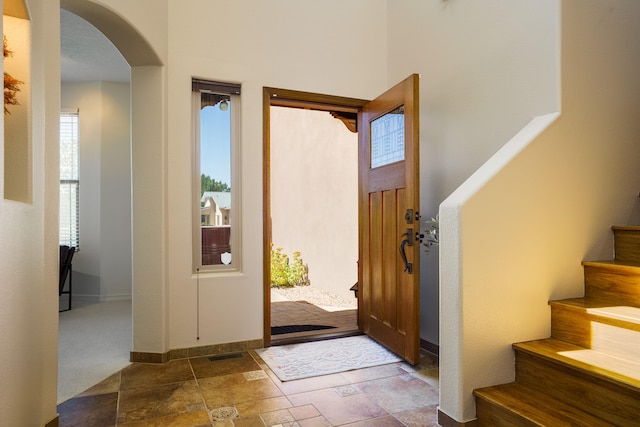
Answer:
x=389 y=267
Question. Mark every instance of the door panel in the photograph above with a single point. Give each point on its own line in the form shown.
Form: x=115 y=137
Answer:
x=389 y=267
x=389 y=292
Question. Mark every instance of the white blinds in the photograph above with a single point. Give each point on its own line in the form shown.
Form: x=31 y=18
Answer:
x=69 y=179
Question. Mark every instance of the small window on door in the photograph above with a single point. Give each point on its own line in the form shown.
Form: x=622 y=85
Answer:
x=216 y=227
x=387 y=138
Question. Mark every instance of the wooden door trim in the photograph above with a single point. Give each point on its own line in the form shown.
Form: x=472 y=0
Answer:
x=294 y=99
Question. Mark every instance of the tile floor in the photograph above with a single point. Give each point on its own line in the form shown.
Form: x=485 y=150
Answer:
x=243 y=391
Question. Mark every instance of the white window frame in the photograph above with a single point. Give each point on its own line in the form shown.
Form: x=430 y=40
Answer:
x=236 y=208
x=70 y=234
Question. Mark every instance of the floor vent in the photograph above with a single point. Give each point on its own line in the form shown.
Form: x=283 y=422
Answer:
x=225 y=357
x=224 y=413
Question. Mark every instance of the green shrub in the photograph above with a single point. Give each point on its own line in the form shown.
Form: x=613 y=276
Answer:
x=288 y=274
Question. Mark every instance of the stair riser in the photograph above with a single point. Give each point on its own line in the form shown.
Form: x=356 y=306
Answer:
x=616 y=404
x=515 y=405
x=586 y=374
x=491 y=415
x=583 y=329
x=610 y=285
x=627 y=245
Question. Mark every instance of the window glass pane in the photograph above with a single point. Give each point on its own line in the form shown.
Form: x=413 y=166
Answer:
x=69 y=220
x=387 y=138
x=69 y=180
x=215 y=179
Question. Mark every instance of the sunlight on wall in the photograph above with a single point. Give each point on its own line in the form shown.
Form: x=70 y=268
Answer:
x=17 y=135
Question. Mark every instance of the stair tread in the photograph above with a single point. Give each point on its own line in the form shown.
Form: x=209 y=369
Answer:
x=536 y=407
x=597 y=368
x=623 y=372
x=629 y=266
x=626 y=227
x=625 y=313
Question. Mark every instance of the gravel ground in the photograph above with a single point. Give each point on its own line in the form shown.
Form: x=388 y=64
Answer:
x=315 y=296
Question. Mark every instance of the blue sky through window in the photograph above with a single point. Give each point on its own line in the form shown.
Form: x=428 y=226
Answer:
x=215 y=138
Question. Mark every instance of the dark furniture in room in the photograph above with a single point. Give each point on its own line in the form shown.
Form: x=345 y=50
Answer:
x=66 y=256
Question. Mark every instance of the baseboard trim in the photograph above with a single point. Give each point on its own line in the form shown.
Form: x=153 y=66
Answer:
x=431 y=348
x=55 y=422
x=185 y=353
x=145 y=357
x=115 y=297
x=79 y=300
x=446 y=421
x=95 y=299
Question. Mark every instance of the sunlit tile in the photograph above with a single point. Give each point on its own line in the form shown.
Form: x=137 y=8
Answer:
x=400 y=392
x=229 y=390
x=145 y=374
x=338 y=409
x=277 y=417
x=304 y=412
x=152 y=402
x=212 y=366
x=420 y=417
x=254 y=407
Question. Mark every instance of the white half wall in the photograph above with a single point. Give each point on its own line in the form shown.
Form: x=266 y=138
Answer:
x=514 y=234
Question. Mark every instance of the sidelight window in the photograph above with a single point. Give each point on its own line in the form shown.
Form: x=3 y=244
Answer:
x=216 y=191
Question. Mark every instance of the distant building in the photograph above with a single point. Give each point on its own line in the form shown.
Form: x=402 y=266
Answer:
x=215 y=208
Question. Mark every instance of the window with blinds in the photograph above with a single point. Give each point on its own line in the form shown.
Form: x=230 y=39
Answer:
x=69 y=179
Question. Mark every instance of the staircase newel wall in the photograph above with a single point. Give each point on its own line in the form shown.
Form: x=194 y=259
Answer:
x=525 y=220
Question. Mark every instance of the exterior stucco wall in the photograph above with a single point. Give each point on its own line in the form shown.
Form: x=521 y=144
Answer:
x=314 y=195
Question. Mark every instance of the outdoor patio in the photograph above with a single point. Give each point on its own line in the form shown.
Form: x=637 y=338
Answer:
x=310 y=306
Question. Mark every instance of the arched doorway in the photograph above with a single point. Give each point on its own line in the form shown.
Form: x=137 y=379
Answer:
x=148 y=141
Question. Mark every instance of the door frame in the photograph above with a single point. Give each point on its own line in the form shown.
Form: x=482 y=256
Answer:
x=345 y=109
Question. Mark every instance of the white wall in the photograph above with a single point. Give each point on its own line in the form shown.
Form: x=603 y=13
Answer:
x=487 y=67
x=102 y=267
x=560 y=204
x=29 y=250
x=115 y=193
x=331 y=47
x=432 y=38
x=17 y=131
x=139 y=31
x=314 y=195
x=541 y=205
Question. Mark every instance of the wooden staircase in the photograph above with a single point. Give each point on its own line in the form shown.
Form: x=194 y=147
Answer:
x=588 y=372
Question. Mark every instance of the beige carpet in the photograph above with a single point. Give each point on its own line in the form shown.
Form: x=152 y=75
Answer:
x=94 y=342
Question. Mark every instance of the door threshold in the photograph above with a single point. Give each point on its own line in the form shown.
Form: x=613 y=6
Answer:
x=323 y=336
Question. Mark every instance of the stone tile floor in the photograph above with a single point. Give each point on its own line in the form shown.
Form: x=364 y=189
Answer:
x=243 y=391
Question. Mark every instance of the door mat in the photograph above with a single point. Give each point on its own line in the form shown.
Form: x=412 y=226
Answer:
x=306 y=360
x=290 y=329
